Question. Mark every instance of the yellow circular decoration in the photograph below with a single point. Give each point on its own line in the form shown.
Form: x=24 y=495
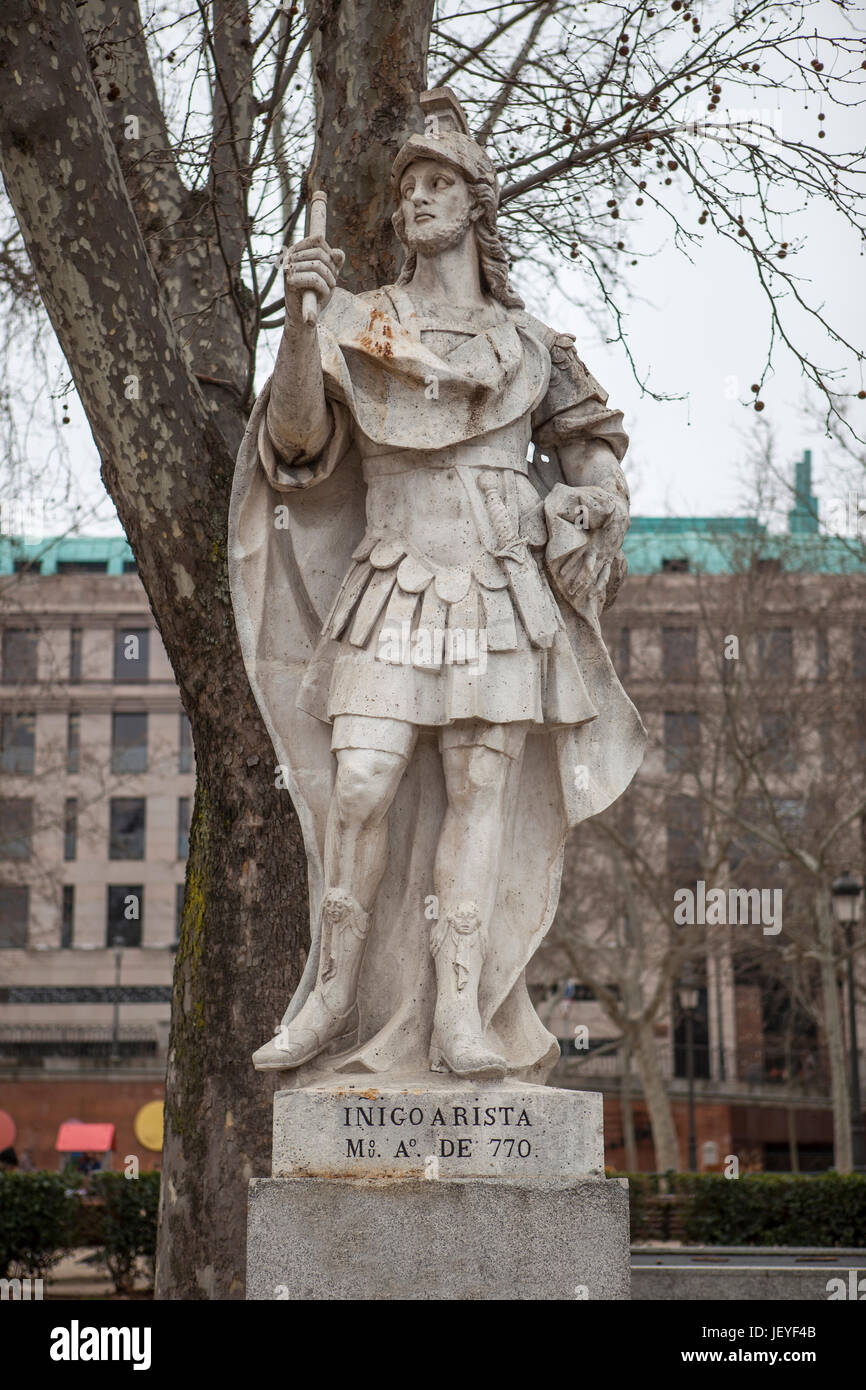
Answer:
x=148 y=1126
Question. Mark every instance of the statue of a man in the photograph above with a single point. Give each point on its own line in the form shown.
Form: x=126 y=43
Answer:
x=427 y=521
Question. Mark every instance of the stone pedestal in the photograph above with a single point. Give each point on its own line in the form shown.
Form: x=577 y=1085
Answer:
x=419 y=1191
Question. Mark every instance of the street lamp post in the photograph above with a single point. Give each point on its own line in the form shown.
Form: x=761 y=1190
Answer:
x=115 y=1027
x=688 y=992
x=847 y=895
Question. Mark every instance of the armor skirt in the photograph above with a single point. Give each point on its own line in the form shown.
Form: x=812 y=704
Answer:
x=415 y=642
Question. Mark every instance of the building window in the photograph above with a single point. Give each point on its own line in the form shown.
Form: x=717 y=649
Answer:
x=73 y=742
x=82 y=567
x=684 y=837
x=75 y=637
x=182 y=827
x=682 y=741
x=126 y=838
x=747 y=852
x=70 y=828
x=20 y=654
x=130 y=567
x=675 y=564
x=185 y=758
x=768 y=564
x=825 y=733
x=129 y=743
x=131 y=654
x=679 y=653
x=623 y=651
x=18 y=744
x=67 y=916
x=125 y=913
x=16 y=828
x=778 y=742
x=625 y=819
x=776 y=652
x=14 y=912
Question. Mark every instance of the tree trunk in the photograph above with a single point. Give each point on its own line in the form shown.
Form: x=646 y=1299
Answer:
x=370 y=63
x=628 y=1111
x=169 y=472
x=834 y=1033
x=167 y=460
x=665 y=1142
x=793 y=1149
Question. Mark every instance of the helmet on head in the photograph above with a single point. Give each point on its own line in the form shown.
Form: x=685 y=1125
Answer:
x=447 y=138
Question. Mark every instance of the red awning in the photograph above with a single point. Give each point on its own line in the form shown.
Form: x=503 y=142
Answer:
x=73 y=1137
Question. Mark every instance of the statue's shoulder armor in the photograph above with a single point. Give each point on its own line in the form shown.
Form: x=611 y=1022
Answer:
x=561 y=346
x=540 y=330
x=347 y=312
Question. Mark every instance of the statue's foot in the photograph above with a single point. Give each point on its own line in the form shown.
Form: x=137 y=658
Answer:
x=316 y=1029
x=466 y=1055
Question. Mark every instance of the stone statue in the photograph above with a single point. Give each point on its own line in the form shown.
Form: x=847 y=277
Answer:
x=427 y=520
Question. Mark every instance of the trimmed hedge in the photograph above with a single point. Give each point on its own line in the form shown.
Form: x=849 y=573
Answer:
x=128 y=1227
x=757 y=1209
x=43 y=1215
x=37 y=1213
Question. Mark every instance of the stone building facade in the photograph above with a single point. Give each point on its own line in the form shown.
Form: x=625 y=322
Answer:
x=96 y=788
x=794 y=676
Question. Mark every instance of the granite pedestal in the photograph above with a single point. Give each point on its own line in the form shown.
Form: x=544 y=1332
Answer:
x=450 y=1192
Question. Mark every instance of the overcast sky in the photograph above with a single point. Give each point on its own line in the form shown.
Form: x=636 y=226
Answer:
x=698 y=330
x=695 y=328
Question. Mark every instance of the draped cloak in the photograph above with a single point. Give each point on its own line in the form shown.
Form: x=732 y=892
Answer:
x=293 y=528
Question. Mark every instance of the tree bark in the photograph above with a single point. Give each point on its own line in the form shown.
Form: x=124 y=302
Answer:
x=370 y=63
x=169 y=471
x=103 y=227
x=834 y=1033
x=627 y=1111
x=665 y=1142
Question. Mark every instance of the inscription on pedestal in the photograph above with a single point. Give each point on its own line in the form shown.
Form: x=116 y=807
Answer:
x=370 y=1132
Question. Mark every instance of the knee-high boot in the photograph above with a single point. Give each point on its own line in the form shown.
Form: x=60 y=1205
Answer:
x=458 y=944
x=328 y=1019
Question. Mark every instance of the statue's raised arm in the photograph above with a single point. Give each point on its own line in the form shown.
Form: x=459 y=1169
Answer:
x=427 y=520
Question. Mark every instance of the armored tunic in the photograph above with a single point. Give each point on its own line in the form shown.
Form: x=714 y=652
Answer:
x=446 y=612
x=419 y=419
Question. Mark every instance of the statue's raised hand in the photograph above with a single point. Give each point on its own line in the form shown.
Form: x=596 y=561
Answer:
x=311 y=264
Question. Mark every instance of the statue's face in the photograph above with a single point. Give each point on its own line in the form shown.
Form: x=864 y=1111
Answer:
x=437 y=205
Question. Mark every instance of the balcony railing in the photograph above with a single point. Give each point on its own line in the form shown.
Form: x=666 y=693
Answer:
x=805 y=1070
x=32 y=1042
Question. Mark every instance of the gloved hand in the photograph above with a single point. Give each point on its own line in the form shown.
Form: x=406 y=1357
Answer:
x=585 y=528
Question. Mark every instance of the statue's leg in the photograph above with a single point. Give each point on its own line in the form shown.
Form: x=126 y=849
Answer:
x=356 y=855
x=466 y=877
x=356 y=838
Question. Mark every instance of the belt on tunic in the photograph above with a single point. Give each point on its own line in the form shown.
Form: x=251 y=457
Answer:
x=465 y=455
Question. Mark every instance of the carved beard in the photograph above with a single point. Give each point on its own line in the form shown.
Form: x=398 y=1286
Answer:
x=431 y=238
